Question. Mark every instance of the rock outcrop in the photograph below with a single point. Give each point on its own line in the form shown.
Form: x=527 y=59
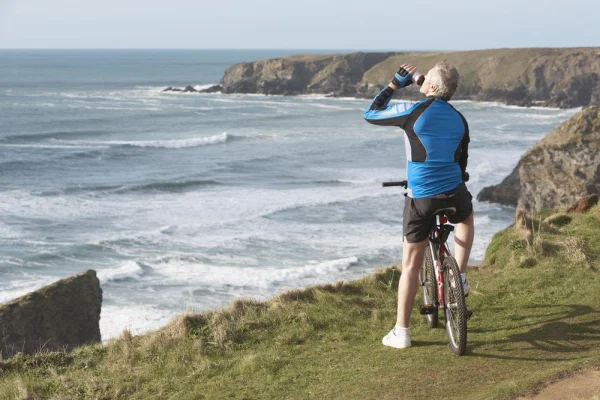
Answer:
x=551 y=77
x=558 y=170
x=302 y=74
x=584 y=204
x=191 y=89
x=59 y=316
x=506 y=193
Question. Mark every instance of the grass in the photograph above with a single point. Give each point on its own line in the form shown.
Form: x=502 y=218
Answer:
x=536 y=319
x=479 y=69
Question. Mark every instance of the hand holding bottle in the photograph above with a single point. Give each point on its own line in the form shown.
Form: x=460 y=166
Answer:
x=406 y=75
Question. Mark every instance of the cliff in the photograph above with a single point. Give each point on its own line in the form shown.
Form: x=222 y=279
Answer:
x=557 y=170
x=59 y=316
x=550 y=77
x=302 y=74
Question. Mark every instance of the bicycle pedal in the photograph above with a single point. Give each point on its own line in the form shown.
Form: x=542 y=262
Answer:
x=427 y=309
x=469 y=314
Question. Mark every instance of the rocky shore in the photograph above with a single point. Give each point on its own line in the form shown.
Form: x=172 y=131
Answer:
x=560 y=77
x=557 y=170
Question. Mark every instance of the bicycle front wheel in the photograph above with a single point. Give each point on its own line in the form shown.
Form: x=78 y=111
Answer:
x=455 y=311
x=429 y=288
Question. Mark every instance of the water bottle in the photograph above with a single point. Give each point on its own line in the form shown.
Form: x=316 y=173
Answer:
x=418 y=78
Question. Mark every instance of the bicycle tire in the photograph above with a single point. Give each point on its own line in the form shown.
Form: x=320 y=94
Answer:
x=429 y=287
x=455 y=311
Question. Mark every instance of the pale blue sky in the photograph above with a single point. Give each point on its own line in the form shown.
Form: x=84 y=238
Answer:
x=302 y=24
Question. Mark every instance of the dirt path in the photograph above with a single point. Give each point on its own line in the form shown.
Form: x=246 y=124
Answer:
x=583 y=386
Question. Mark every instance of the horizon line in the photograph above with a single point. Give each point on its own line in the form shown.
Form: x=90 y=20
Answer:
x=283 y=49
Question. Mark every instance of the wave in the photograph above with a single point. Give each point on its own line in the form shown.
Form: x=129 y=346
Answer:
x=174 y=143
x=51 y=135
x=192 y=269
x=177 y=186
x=205 y=86
x=166 y=144
x=22 y=284
x=127 y=271
x=498 y=104
x=169 y=187
x=336 y=182
x=52 y=146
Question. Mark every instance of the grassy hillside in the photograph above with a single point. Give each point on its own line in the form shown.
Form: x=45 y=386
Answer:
x=482 y=69
x=536 y=318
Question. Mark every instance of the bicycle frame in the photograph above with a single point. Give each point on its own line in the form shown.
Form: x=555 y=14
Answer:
x=439 y=250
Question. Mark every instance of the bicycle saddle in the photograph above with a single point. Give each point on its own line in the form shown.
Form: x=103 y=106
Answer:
x=445 y=211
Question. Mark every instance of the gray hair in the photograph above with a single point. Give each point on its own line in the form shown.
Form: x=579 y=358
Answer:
x=445 y=77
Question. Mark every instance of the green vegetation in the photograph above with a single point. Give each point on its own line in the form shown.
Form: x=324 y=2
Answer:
x=480 y=69
x=536 y=319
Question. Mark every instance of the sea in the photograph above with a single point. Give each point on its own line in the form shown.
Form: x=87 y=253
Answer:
x=184 y=202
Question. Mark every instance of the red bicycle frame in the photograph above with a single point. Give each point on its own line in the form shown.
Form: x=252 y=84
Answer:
x=437 y=239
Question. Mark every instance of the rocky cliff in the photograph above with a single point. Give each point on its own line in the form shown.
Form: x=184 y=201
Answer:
x=556 y=171
x=59 y=316
x=551 y=77
x=301 y=74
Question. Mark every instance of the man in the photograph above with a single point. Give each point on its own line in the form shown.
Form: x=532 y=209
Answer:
x=436 y=140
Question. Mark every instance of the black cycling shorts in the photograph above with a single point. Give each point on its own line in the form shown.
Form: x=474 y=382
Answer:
x=419 y=213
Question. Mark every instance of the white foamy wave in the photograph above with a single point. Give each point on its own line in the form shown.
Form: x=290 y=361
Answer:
x=178 y=270
x=139 y=318
x=330 y=106
x=22 y=285
x=180 y=143
x=53 y=146
x=206 y=86
x=330 y=98
x=167 y=144
x=136 y=318
x=482 y=220
x=131 y=269
x=9 y=232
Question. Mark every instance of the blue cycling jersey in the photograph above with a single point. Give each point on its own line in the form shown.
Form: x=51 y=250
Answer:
x=436 y=141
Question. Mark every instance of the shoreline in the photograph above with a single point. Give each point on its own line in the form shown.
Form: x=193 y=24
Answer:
x=160 y=89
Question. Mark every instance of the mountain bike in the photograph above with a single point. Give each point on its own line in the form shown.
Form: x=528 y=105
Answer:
x=441 y=285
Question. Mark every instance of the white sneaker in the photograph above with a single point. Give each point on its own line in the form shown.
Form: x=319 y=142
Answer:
x=466 y=286
x=396 y=341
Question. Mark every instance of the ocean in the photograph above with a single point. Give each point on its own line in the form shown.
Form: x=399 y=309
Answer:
x=185 y=201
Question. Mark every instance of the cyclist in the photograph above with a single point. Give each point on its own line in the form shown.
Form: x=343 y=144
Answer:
x=436 y=141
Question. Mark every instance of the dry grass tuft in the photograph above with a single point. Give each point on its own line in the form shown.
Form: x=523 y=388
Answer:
x=527 y=262
x=576 y=249
x=307 y=295
x=341 y=287
x=226 y=326
x=375 y=314
x=388 y=277
x=222 y=328
x=525 y=221
x=124 y=349
x=332 y=288
x=558 y=220
x=243 y=305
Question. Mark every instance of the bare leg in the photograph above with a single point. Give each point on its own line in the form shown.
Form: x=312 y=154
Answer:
x=463 y=241
x=412 y=259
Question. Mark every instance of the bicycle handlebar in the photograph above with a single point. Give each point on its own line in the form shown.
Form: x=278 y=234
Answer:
x=404 y=184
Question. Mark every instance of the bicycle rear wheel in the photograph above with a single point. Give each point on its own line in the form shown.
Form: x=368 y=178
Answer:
x=455 y=311
x=429 y=287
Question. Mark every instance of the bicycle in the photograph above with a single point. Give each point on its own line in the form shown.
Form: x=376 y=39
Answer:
x=441 y=285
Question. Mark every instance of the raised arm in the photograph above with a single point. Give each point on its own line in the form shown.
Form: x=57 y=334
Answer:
x=395 y=115
x=379 y=113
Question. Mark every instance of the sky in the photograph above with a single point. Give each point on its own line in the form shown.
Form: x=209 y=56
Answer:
x=303 y=24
